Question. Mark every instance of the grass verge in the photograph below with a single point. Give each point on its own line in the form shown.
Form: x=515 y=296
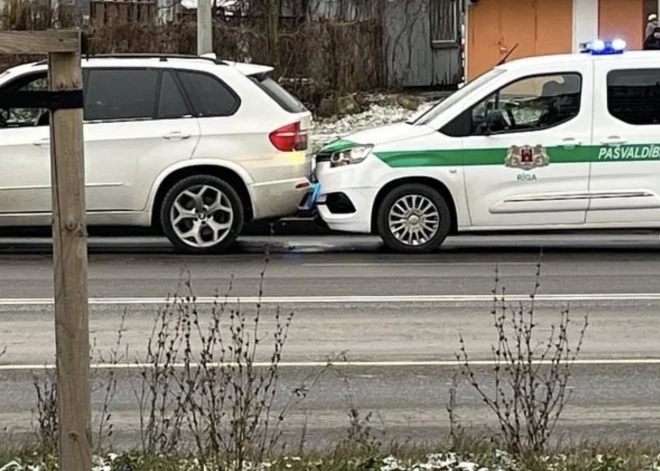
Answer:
x=585 y=457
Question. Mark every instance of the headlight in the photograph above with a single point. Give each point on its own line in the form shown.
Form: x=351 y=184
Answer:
x=354 y=155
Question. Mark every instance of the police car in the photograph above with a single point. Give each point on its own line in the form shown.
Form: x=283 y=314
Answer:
x=557 y=142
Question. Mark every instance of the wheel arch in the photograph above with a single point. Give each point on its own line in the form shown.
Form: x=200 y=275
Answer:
x=230 y=175
x=428 y=181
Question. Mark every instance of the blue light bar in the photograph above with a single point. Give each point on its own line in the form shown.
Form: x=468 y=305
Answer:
x=602 y=48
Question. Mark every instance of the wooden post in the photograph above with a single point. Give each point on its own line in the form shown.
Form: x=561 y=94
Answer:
x=70 y=259
x=69 y=242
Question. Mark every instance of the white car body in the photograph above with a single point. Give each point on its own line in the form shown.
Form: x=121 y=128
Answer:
x=603 y=172
x=131 y=163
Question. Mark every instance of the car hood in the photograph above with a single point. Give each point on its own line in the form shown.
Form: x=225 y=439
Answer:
x=380 y=135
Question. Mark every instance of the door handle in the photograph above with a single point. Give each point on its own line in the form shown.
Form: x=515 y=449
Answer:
x=42 y=142
x=176 y=135
x=613 y=140
x=571 y=142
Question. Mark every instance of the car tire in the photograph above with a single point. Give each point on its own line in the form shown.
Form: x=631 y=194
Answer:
x=396 y=224
x=202 y=214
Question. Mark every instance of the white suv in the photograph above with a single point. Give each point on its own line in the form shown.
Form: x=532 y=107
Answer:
x=194 y=145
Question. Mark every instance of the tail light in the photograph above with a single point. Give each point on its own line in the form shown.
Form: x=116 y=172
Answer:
x=289 y=138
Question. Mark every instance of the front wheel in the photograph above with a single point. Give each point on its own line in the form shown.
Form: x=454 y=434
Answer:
x=414 y=218
x=202 y=214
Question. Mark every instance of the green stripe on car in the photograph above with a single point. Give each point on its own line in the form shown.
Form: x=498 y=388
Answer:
x=557 y=155
x=338 y=146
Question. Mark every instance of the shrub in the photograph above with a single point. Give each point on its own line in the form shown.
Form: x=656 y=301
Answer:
x=530 y=390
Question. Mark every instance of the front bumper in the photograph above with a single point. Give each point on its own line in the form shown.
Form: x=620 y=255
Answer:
x=339 y=200
x=348 y=210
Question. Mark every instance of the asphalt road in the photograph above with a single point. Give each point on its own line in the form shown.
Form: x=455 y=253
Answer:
x=341 y=266
x=395 y=318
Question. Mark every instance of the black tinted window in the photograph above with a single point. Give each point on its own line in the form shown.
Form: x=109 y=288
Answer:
x=279 y=94
x=209 y=96
x=11 y=117
x=633 y=96
x=121 y=94
x=171 y=104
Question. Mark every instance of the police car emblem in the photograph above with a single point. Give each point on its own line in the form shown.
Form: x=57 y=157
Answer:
x=527 y=157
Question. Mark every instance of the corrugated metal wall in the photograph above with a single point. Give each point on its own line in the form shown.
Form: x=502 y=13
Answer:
x=422 y=51
x=421 y=37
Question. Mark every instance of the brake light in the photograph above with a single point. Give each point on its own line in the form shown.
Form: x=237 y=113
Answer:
x=289 y=138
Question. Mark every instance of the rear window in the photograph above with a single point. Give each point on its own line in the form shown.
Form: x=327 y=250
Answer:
x=210 y=97
x=283 y=98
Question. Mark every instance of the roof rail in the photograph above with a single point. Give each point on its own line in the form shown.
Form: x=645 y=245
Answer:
x=151 y=55
x=147 y=55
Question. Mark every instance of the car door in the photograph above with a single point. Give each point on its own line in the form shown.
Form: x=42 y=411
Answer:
x=625 y=188
x=137 y=124
x=526 y=158
x=24 y=153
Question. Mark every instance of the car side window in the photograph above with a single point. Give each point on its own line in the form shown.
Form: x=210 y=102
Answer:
x=22 y=117
x=171 y=104
x=633 y=96
x=121 y=94
x=209 y=96
x=529 y=104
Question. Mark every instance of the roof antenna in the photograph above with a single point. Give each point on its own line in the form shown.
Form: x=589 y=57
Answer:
x=508 y=54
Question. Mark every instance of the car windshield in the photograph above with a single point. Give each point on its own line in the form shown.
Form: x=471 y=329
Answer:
x=455 y=97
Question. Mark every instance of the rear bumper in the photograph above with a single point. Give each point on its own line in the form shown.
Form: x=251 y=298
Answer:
x=278 y=199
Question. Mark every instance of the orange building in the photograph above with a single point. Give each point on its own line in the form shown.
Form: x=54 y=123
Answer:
x=540 y=27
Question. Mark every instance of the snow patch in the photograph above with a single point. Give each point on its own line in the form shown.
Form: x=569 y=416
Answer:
x=432 y=462
x=376 y=114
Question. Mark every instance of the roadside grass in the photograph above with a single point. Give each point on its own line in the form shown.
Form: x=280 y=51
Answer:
x=396 y=457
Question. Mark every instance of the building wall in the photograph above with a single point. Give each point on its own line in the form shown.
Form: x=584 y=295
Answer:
x=536 y=26
x=547 y=27
x=585 y=22
x=624 y=19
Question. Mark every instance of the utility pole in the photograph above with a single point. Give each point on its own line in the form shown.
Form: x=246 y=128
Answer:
x=273 y=15
x=204 y=27
x=55 y=8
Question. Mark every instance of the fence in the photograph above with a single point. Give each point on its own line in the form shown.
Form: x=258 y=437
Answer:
x=122 y=11
x=335 y=56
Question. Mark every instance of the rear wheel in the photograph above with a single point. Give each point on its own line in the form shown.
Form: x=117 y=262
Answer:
x=414 y=218
x=202 y=214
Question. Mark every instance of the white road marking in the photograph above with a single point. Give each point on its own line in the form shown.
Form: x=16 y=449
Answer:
x=321 y=364
x=420 y=264
x=437 y=299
